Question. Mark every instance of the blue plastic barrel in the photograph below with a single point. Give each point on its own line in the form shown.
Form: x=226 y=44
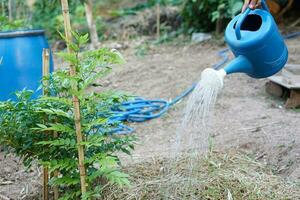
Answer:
x=21 y=61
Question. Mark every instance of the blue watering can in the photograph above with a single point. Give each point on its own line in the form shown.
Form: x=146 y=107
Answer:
x=254 y=39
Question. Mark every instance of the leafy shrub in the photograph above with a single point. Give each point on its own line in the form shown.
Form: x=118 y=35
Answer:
x=7 y=25
x=19 y=14
x=201 y=15
x=47 y=15
x=43 y=129
x=144 y=5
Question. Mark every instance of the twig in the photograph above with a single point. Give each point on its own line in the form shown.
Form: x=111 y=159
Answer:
x=260 y=156
x=6 y=182
x=258 y=126
x=295 y=23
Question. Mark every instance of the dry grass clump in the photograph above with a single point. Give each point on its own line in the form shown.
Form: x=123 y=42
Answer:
x=215 y=176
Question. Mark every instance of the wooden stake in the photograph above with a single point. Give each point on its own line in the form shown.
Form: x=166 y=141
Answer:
x=157 y=20
x=46 y=68
x=76 y=103
x=55 y=188
x=45 y=183
x=46 y=72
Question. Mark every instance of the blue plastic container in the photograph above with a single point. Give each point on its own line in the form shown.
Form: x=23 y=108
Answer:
x=21 y=61
x=254 y=39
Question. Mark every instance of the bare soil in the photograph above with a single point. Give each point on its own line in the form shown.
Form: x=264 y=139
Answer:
x=245 y=118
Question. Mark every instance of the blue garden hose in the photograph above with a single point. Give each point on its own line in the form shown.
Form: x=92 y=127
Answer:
x=141 y=110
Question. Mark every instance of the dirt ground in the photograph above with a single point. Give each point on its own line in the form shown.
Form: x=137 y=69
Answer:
x=246 y=118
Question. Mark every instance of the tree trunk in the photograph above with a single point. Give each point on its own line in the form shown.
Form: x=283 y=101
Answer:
x=220 y=25
x=91 y=23
x=9 y=10
x=157 y=21
x=30 y=3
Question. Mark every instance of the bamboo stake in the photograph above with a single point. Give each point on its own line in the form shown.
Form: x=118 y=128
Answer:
x=157 y=20
x=46 y=68
x=76 y=103
x=55 y=173
x=46 y=72
x=45 y=183
x=45 y=92
x=55 y=188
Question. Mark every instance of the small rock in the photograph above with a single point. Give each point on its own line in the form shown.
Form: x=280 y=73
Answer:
x=118 y=46
x=200 y=37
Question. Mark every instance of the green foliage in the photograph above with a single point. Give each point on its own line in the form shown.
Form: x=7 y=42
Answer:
x=14 y=15
x=28 y=125
x=201 y=15
x=7 y=25
x=145 y=5
x=47 y=15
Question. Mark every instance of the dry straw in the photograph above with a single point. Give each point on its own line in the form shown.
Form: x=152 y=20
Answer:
x=215 y=176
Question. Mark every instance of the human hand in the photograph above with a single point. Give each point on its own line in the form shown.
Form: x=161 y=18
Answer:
x=252 y=4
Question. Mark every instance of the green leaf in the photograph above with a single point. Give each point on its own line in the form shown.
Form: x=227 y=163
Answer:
x=65 y=101
x=69 y=57
x=236 y=8
x=56 y=127
x=63 y=143
x=57 y=112
x=68 y=164
x=94 y=77
x=83 y=39
x=42 y=126
x=94 y=141
x=65 y=181
x=215 y=16
x=119 y=178
x=96 y=122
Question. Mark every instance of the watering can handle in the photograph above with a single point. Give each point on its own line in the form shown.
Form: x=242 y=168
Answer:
x=243 y=17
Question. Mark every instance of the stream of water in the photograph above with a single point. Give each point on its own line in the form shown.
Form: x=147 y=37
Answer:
x=199 y=110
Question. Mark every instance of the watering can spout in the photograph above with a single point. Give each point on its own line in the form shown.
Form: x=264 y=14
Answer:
x=239 y=64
